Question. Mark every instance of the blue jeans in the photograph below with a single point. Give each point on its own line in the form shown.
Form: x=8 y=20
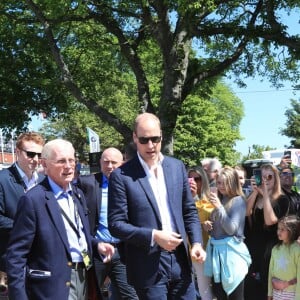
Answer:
x=116 y=271
x=174 y=281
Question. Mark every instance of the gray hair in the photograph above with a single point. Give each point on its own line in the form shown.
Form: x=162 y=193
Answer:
x=50 y=146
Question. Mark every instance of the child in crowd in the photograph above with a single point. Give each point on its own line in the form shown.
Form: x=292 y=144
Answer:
x=284 y=269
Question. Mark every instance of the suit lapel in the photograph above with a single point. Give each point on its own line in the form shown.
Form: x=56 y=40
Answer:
x=56 y=217
x=169 y=180
x=144 y=182
x=15 y=177
x=98 y=189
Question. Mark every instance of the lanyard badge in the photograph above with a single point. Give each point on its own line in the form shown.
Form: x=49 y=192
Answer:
x=86 y=259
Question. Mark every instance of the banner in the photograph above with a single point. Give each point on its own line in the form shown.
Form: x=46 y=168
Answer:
x=93 y=140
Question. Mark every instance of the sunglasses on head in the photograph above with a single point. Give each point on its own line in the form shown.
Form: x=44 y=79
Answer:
x=145 y=140
x=31 y=154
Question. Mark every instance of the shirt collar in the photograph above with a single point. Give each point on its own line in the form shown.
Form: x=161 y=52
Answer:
x=104 y=182
x=57 y=190
x=144 y=164
x=35 y=175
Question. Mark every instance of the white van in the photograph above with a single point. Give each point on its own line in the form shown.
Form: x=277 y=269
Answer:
x=276 y=155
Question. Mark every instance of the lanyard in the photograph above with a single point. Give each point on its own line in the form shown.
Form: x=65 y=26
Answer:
x=76 y=230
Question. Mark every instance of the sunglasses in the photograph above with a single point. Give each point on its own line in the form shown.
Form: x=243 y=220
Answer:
x=145 y=140
x=31 y=154
x=287 y=174
x=197 y=179
x=269 y=177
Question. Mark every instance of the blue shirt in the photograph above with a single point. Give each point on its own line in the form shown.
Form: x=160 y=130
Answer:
x=65 y=201
x=103 y=233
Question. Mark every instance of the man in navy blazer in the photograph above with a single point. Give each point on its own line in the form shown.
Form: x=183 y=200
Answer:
x=152 y=210
x=14 y=182
x=95 y=187
x=50 y=244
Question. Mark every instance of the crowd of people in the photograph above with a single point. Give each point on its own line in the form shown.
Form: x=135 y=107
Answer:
x=147 y=224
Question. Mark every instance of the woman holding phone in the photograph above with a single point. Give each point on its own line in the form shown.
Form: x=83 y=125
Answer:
x=199 y=185
x=265 y=206
x=228 y=258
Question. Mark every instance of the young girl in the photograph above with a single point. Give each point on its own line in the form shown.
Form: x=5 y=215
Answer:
x=284 y=269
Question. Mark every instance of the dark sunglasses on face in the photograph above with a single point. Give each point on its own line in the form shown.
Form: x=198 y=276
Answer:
x=287 y=174
x=268 y=177
x=31 y=154
x=145 y=140
x=197 y=179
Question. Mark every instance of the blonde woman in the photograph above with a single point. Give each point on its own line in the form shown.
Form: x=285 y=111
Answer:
x=265 y=206
x=200 y=190
x=228 y=258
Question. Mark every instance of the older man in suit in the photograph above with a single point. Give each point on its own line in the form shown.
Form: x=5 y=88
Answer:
x=50 y=246
x=151 y=209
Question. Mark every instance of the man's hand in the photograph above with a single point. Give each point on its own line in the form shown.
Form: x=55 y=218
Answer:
x=167 y=240
x=106 y=250
x=285 y=162
x=197 y=253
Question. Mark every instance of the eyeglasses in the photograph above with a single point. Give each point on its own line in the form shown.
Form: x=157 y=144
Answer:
x=145 y=140
x=31 y=154
x=287 y=174
x=63 y=162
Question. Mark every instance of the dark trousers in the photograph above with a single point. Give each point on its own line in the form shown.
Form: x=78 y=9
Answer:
x=116 y=271
x=174 y=280
x=237 y=294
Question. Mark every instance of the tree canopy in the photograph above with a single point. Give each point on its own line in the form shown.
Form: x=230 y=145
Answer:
x=292 y=129
x=56 y=50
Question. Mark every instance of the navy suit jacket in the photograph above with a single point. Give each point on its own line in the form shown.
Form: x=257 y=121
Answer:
x=12 y=187
x=133 y=214
x=91 y=185
x=38 y=241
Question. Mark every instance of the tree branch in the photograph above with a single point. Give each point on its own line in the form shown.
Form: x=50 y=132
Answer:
x=68 y=81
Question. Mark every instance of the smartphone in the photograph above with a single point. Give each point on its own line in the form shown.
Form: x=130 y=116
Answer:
x=191 y=180
x=257 y=176
x=287 y=154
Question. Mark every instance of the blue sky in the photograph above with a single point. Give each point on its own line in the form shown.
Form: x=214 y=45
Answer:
x=264 y=106
x=264 y=109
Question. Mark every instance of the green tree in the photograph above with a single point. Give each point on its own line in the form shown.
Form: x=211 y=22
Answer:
x=255 y=152
x=292 y=129
x=199 y=129
x=209 y=127
x=73 y=39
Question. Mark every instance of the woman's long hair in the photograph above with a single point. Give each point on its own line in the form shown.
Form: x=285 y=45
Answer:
x=232 y=184
x=204 y=180
x=276 y=192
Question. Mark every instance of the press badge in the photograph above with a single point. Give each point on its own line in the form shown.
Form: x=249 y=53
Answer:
x=86 y=259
